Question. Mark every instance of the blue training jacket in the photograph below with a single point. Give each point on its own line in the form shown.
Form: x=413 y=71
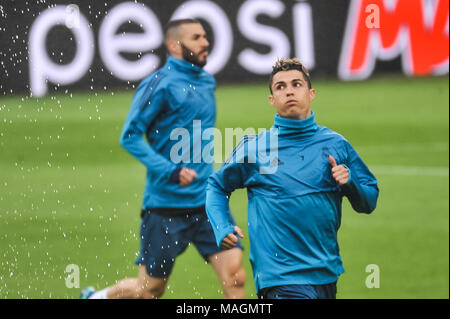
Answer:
x=294 y=204
x=173 y=107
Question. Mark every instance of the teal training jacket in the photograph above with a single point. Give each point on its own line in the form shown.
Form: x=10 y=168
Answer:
x=165 y=130
x=294 y=204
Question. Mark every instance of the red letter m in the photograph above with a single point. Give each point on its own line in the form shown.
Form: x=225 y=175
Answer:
x=418 y=30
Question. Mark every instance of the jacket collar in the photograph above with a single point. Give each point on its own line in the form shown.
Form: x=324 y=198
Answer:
x=298 y=128
x=183 y=66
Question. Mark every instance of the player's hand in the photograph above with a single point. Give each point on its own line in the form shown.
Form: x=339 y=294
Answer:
x=187 y=175
x=230 y=240
x=340 y=172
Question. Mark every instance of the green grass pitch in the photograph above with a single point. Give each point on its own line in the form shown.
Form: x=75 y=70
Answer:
x=69 y=194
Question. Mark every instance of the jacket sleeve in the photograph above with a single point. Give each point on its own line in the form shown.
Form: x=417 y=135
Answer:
x=361 y=188
x=147 y=103
x=235 y=173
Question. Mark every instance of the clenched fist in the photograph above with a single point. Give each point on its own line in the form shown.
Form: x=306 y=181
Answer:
x=230 y=240
x=187 y=176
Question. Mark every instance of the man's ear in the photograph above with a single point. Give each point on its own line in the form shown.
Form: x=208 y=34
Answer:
x=271 y=100
x=312 y=94
x=174 y=47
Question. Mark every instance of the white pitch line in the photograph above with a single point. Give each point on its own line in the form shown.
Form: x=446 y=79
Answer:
x=411 y=170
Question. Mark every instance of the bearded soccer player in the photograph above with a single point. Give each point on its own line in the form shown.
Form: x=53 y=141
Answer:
x=295 y=199
x=167 y=103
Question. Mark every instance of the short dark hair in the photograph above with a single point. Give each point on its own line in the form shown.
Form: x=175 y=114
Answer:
x=174 y=24
x=289 y=64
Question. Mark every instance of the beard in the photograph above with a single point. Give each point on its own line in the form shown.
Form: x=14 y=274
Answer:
x=191 y=57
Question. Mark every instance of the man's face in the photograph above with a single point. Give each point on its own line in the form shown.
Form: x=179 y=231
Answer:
x=291 y=96
x=194 y=45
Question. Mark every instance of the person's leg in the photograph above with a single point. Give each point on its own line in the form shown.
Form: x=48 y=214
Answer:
x=144 y=286
x=160 y=245
x=228 y=266
x=226 y=263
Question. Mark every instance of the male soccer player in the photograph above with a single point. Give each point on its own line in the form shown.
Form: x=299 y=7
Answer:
x=294 y=209
x=176 y=100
